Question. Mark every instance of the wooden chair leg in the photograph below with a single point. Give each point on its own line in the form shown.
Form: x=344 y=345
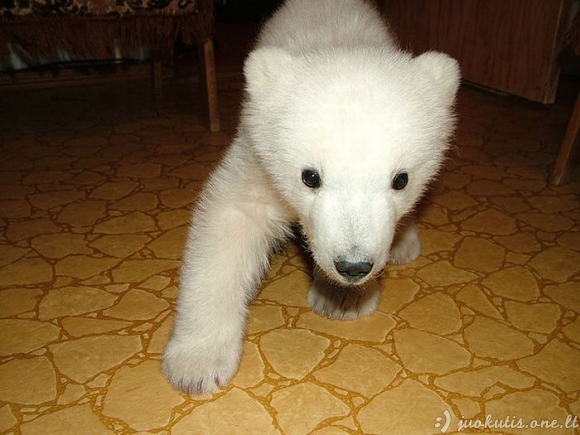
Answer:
x=157 y=72
x=568 y=148
x=208 y=82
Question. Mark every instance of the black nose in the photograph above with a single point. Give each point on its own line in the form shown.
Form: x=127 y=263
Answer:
x=353 y=271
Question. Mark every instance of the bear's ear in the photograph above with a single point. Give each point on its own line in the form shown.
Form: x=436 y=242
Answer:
x=266 y=69
x=444 y=72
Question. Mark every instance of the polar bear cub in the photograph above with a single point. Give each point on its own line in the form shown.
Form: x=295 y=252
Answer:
x=341 y=131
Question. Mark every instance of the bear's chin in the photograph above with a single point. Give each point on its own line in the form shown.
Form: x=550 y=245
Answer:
x=342 y=301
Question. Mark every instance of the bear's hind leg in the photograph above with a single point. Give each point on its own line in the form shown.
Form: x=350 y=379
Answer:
x=407 y=244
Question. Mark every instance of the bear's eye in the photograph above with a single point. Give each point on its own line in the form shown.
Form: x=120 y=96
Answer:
x=400 y=181
x=311 y=178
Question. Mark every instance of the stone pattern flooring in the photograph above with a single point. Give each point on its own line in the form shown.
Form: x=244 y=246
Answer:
x=97 y=183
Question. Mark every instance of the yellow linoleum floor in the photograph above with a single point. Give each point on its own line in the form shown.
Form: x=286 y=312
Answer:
x=96 y=185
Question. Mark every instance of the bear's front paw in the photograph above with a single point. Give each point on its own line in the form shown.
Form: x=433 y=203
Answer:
x=196 y=369
x=343 y=303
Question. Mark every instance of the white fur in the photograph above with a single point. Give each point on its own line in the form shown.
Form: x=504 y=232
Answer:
x=327 y=89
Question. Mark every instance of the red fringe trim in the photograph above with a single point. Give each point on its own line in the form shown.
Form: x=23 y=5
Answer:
x=93 y=36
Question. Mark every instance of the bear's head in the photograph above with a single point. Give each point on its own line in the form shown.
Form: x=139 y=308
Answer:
x=350 y=139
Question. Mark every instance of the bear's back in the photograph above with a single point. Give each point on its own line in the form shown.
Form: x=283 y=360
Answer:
x=307 y=26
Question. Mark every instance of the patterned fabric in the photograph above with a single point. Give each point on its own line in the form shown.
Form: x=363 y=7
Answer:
x=48 y=8
x=99 y=29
